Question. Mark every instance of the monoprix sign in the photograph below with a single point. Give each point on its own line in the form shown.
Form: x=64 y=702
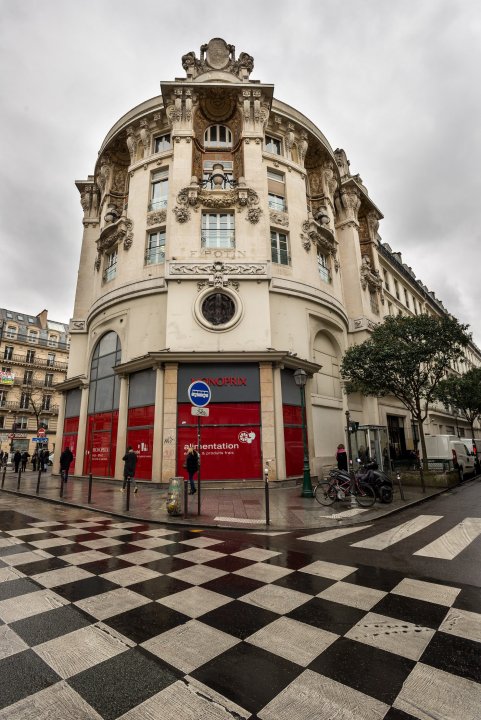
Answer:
x=199 y=393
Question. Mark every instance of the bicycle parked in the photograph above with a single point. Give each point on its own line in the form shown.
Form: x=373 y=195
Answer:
x=338 y=487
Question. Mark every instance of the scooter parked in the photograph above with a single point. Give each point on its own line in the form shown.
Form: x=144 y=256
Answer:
x=381 y=483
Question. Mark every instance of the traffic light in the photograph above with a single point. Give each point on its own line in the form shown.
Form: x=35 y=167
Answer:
x=353 y=426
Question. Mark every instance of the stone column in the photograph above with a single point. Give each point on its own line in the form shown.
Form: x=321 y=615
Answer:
x=347 y=232
x=82 y=431
x=268 y=424
x=280 y=450
x=122 y=426
x=158 y=424
x=59 y=434
x=169 y=443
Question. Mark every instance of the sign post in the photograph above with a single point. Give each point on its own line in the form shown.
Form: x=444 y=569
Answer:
x=199 y=395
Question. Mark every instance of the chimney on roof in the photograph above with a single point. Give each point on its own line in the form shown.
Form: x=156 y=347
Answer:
x=42 y=318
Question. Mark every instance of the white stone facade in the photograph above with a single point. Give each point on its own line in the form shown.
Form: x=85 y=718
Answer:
x=221 y=229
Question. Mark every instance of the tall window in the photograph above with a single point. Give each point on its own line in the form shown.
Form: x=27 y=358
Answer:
x=11 y=332
x=217 y=136
x=159 y=186
x=111 y=265
x=218 y=230
x=104 y=384
x=406 y=297
x=21 y=423
x=386 y=279
x=24 y=400
x=8 y=352
x=279 y=248
x=3 y=398
x=396 y=289
x=32 y=336
x=50 y=359
x=52 y=340
x=46 y=400
x=276 y=190
x=27 y=377
x=30 y=357
x=162 y=143
x=273 y=145
x=323 y=267
x=155 y=252
x=48 y=379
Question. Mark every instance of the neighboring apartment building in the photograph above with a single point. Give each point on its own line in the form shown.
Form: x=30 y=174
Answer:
x=224 y=239
x=34 y=358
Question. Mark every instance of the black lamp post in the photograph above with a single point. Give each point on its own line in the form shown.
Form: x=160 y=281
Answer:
x=300 y=378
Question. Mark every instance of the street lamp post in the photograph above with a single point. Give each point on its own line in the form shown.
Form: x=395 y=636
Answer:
x=300 y=378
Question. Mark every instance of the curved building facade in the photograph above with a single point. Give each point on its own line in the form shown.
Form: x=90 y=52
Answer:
x=224 y=240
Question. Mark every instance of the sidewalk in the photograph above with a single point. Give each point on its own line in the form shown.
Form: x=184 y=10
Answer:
x=226 y=508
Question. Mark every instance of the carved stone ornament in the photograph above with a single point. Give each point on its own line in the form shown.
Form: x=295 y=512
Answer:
x=348 y=202
x=156 y=218
x=113 y=235
x=218 y=269
x=217 y=55
x=316 y=234
x=279 y=218
x=218 y=278
x=370 y=278
x=194 y=197
x=89 y=200
x=253 y=215
x=77 y=326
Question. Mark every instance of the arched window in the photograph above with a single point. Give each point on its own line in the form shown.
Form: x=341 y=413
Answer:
x=217 y=136
x=326 y=353
x=104 y=384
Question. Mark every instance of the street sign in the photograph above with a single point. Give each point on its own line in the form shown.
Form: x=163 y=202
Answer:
x=41 y=432
x=11 y=436
x=200 y=411
x=199 y=393
x=39 y=439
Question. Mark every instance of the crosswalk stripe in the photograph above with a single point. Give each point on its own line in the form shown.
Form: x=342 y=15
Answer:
x=327 y=535
x=398 y=533
x=447 y=546
x=345 y=514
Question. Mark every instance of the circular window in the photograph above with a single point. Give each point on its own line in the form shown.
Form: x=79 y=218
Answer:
x=217 y=309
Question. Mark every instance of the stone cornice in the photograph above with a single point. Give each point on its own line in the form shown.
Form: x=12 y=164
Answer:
x=79 y=381
x=162 y=357
x=244 y=270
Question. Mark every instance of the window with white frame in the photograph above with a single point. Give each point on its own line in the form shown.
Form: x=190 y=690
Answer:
x=276 y=188
x=217 y=136
x=155 y=251
x=279 y=248
x=28 y=377
x=52 y=340
x=48 y=382
x=162 y=143
x=24 y=400
x=111 y=265
x=51 y=359
x=218 y=230
x=11 y=332
x=273 y=145
x=21 y=422
x=159 y=187
x=8 y=352
x=46 y=401
x=32 y=336
x=323 y=266
x=386 y=280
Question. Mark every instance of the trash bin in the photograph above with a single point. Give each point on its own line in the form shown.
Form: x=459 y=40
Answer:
x=175 y=496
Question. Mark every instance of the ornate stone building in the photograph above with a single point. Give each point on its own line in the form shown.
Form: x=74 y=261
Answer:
x=224 y=239
x=34 y=353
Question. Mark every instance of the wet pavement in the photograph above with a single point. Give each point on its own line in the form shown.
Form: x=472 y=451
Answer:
x=219 y=506
x=107 y=618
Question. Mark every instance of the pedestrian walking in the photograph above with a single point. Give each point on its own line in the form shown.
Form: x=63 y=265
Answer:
x=130 y=463
x=341 y=457
x=65 y=461
x=35 y=460
x=192 y=462
x=25 y=456
x=44 y=455
x=17 y=459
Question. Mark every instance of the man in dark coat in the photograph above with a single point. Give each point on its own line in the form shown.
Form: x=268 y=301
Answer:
x=130 y=462
x=65 y=461
x=17 y=458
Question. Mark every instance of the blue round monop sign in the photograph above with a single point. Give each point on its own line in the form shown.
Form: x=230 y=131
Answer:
x=199 y=393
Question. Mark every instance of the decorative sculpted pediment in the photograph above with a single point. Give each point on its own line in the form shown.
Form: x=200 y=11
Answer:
x=217 y=55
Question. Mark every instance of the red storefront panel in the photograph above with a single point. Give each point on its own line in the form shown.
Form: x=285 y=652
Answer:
x=292 y=415
x=141 y=416
x=230 y=450
x=294 y=451
x=142 y=442
x=70 y=435
x=101 y=444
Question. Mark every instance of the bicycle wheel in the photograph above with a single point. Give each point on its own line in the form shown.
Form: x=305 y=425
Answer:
x=365 y=495
x=325 y=493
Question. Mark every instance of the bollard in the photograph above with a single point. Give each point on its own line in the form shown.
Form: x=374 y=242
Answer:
x=186 y=502
x=61 y=484
x=3 y=475
x=19 y=477
x=266 y=489
x=398 y=478
x=127 y=499
x=38 y=482
x=89 y=496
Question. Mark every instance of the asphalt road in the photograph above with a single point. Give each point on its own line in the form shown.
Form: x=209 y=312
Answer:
x=105 y=618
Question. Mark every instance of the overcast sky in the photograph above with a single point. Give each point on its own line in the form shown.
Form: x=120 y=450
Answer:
x=393 y=82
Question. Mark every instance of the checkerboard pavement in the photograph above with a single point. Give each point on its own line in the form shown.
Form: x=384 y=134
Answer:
x=109 y=619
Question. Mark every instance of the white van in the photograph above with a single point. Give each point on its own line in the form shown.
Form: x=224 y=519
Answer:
x=452 y=451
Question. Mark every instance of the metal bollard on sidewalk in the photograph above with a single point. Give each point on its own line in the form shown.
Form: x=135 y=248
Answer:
x=38 y=482
x=19 y=477
x=266 y=490
x=89 y=496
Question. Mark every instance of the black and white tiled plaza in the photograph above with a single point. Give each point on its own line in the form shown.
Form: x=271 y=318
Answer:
x=106 y=618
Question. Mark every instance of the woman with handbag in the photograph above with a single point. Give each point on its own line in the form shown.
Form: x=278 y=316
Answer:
x=192 y=466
